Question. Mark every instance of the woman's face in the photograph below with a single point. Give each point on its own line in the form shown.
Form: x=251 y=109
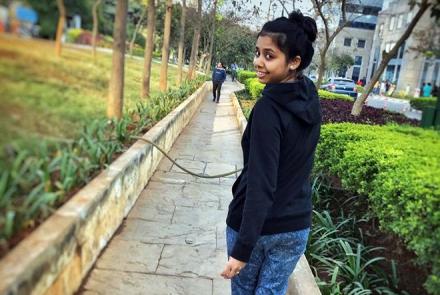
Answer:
x=271 y=63
x=219 y=65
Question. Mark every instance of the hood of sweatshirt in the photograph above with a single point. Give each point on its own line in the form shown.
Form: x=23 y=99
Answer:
x=299 y=98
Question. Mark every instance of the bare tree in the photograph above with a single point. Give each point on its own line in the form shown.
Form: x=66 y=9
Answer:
x=166 y=47
x=181 y=43
x=149 y=46
x=116 y=87
x=387 y=56
x=136 y=30
x=95 y=26
x=195 y=43
x=60 y=26
x=211 y=43
x=329 y=37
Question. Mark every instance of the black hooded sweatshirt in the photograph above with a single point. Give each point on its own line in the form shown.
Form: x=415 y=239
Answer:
x=273 y=192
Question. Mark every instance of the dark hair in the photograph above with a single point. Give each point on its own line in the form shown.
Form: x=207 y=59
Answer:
x=294 y=36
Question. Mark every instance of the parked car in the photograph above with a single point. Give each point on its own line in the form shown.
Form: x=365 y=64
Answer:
x=341 y=86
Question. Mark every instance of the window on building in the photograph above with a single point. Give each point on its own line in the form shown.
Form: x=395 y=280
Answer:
x=356 y=73
x=347 y=42
x=399 y=21
x=361 y=43
x=381 y=30
x=401 y=50
x=409 y=17
x=358 y=60
x=392 y=22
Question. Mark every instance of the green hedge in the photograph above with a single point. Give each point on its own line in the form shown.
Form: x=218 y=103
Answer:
x=423 y=102
x=324 y=94
x=254 y=87
x=243 y=75
x=398 y=169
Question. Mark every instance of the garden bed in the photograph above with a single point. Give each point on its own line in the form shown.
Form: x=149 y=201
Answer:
x=393 y=171
x=339 y=111
x=58 y=254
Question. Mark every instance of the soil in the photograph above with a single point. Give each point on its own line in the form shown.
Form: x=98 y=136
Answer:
x=411 y=276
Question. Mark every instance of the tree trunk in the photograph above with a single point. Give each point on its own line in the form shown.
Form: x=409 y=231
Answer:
x=181 y=44
x=60 y=27
x=202 y=61
x=322 y=66
x=211 y=43
x=136 y=30
x=195 y=44
x=149 y=46
x=95 y=26
x=166 y=47
x=386 y=57
x=116 y=87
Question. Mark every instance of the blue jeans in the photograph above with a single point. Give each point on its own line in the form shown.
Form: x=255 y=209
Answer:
x=272 y=262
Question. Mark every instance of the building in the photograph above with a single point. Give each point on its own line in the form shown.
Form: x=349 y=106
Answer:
x=409 y=69
x=356 y=39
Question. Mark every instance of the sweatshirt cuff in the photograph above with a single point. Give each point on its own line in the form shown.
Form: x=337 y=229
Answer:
x=241 y=251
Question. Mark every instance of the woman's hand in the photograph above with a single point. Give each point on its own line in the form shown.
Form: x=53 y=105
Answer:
x=232 y=268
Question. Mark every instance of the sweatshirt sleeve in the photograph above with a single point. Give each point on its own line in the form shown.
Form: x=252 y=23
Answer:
x=265 y=138
x=223 y=75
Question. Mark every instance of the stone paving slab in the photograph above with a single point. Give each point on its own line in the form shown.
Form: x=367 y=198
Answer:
x=105 y=282
x=198 y=261
x=173 y=240
x=143 y=257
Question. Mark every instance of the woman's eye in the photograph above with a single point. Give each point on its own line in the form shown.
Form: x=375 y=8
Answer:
x=268 y=56
x=257 y=54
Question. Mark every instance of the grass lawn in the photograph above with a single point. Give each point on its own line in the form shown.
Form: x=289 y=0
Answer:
x=42 y=96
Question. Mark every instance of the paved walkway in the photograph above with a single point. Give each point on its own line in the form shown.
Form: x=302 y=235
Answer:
x=173 y=240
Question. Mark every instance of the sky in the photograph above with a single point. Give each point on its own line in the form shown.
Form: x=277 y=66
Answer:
x=255 y=22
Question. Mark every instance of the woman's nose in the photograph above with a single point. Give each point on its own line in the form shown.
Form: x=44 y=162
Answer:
x=257 y=62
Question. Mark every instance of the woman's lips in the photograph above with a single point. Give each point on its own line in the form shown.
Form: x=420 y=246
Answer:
x=261 y=74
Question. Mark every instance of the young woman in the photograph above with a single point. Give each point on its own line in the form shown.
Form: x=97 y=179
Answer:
x=269 y=217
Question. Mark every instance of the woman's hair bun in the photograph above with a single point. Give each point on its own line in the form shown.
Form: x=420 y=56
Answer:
x=307 y=23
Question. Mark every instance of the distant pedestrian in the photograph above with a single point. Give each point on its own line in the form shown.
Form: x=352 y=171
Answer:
x=382 y=88
x=218 y=77
x=436 y=91
x=387 y=86
x=376 y=88
x=234 y=69
x=427 y=89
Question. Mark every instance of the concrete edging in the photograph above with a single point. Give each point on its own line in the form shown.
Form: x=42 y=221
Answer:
x=302 y=281
x=56 y=257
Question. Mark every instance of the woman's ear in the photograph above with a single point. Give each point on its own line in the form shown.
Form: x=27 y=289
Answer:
x=294 y=63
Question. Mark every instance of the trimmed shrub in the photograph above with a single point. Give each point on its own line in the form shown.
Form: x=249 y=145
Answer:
x=243 y=75
x=73 y=34
x=398 y=169
x=423 y=102
x=360 y=89
x=255 y=88
x=324 y=94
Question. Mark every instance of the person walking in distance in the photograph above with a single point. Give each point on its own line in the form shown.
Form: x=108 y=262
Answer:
x=218 y=77
x=269 y=217
x=234 y=69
